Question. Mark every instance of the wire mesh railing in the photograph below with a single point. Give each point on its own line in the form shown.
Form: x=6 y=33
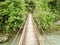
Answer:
x=43 y=39
x=23 y=34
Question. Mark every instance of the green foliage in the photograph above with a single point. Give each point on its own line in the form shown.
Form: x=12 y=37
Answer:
x=58 y=5
x=12 y=15
x=43 y=15
x=30 y=5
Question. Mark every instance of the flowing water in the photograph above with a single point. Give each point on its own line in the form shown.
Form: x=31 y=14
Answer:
x=52 y=39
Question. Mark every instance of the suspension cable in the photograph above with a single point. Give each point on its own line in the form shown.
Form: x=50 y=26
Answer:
x=42 y=32
x=18 y=32
x=23 y=34
x=45 y=35
x=40 y=39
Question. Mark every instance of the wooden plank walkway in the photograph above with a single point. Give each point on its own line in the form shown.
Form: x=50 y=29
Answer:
x=30 y=35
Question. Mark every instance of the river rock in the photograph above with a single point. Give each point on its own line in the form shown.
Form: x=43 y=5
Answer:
x=3 y=39
x=57 y=23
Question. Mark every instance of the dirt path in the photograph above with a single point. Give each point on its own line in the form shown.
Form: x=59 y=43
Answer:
x=30 y=36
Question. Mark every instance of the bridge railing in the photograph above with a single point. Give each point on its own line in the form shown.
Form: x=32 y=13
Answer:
x=23 y=33
x=41 y=39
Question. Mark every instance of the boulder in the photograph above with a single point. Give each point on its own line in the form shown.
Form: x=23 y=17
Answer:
x=3 y=39
x=58 y=23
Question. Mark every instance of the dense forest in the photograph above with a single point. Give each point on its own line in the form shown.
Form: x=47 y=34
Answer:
x=45 y=13
x=13 y=14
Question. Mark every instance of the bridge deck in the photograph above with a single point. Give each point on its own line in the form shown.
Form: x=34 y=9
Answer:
x=30 y=36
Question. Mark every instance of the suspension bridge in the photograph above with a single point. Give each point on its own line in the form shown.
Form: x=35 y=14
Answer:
x=30 y=34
